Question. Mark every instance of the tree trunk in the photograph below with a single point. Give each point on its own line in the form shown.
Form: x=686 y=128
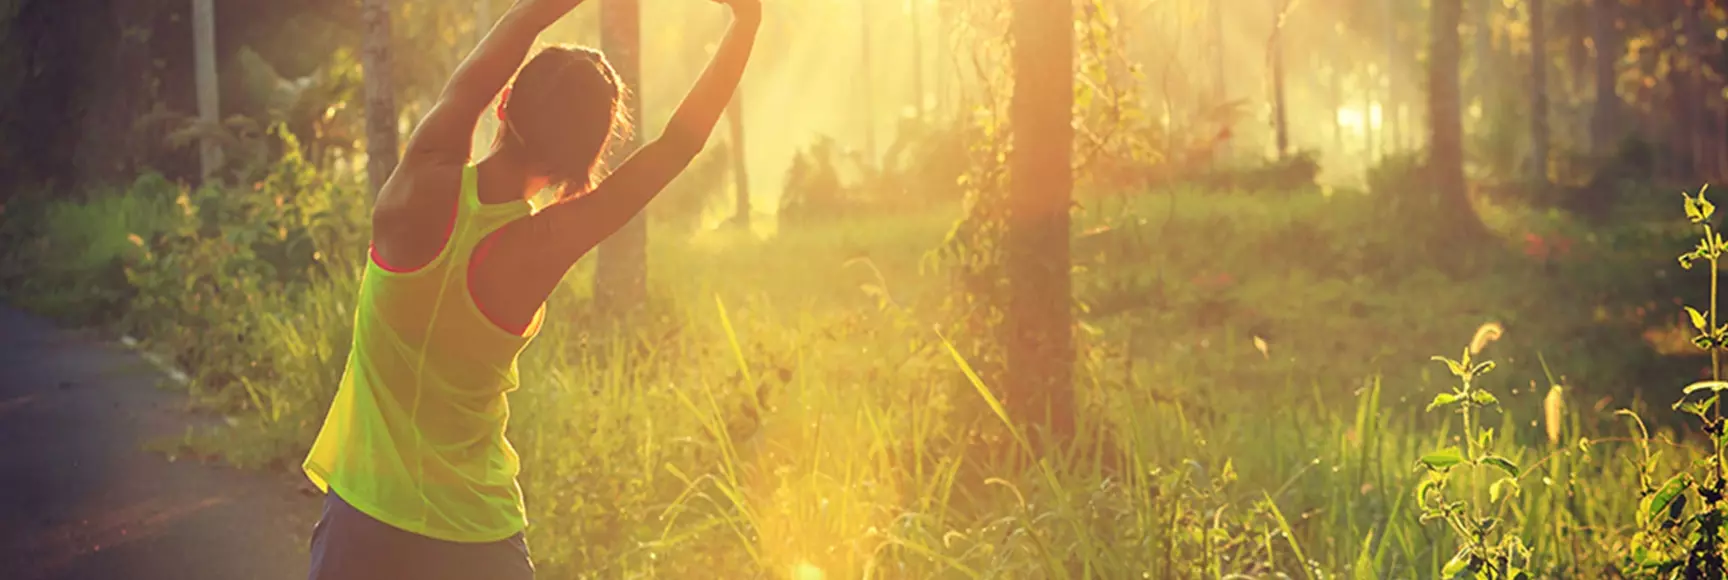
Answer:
x=486 y=130
x=1220 y=87
x=740 y=168
x=1445 y=121
x=1604 y=118
x=1538 y=94
x=1279 y=125
x=621 y=276
x=1368 y=87
x=1040 y=388
x=1693 y=132
x=1482 y=74
x=945 y=64
x=381 y=129
x=1394 y=105
x=867 y=86
x=1335 y=102
x=917 y=20
x=209 y=103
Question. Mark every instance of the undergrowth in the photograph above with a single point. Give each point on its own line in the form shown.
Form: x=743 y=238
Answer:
x=1250 y=411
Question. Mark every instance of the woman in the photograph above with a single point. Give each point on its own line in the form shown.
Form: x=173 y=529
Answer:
x=420 y=480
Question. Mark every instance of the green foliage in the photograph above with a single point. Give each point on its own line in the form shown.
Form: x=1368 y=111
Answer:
x=66 y=258
x=1486 y=550
x=919 y=170
x=1680 y=529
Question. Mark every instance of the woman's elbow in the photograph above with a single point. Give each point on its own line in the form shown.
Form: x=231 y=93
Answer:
x=681 y=147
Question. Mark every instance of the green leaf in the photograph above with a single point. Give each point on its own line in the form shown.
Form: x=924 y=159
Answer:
x=1481 y=368
x=1654 y=504
x=1422 y=490
x=1505 y=487
x=1503 y=463
x=1442 y=459
x=1461 y=564
x=1705 y=208
x=1693 y=213
x=1699 y=321
x=1676 y=510
x=1699 y=408
x=1456 y=367
x=1483 y=398
x=1645 y=557
x=1443 y=399
x=1486 y=440
x=1714 y=386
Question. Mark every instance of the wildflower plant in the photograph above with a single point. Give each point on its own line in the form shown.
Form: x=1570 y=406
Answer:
x=1486 y=550
x=1670 y=541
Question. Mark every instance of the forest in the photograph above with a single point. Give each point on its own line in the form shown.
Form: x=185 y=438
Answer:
x=972 y=288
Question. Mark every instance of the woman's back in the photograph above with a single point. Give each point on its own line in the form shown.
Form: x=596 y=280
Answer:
x=415 y=437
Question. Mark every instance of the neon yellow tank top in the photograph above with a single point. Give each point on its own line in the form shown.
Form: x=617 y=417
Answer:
x=415 y=435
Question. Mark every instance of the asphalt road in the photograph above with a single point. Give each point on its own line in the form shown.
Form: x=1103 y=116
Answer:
x=81 y=498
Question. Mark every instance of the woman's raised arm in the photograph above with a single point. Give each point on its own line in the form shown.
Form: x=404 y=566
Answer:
x=577 y=225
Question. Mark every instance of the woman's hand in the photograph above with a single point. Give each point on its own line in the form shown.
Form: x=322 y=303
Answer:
x=743 y=7
x=551 y=8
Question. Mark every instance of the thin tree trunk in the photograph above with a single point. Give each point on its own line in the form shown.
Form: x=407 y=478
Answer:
x=1040 y=386
x=485 y=130
x=1482 y=74
x=1694 y=131
x=917 y=17
x=1280 y=126
x=1335 y=98
x=209 y=103
x=381 y=129
x=1446 y=123
x=621 y=276
x=867 y=84
x=944 y=56
x=1604 y=118
x=1394 y=107
x=1368 y=88
x=1220 y=87
x=1538 y=93
x=740 y=168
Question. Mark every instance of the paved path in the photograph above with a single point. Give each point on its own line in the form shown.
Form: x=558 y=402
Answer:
x=80 y=497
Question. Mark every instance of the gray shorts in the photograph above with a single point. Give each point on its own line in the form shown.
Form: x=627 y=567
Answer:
x=350 y=545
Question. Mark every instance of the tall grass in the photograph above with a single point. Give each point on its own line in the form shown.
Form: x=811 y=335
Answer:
x=790 y=411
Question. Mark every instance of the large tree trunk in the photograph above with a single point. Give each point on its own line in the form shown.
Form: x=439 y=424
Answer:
x=740 y=168
x=381 y=138
x=1538 y=94
x=209 y=107
x=621 y=276
x=1604 y=118
x=1280 y=125
x=1040 y=350
x=1446 y=123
